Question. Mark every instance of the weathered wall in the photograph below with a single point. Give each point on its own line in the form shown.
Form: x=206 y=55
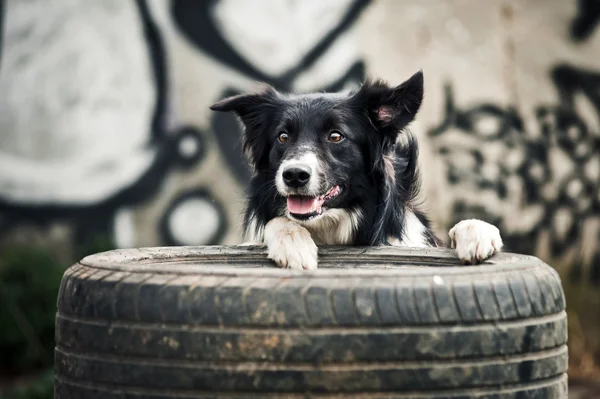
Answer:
x=105 y=129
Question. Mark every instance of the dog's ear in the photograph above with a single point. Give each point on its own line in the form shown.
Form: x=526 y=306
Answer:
x=255 y=111
x=392 y=108
x=248 y=107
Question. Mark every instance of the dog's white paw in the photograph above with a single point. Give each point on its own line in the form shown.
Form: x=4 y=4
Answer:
x=290 y=245
x=475 y=240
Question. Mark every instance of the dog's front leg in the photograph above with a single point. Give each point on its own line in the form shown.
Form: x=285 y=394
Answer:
x=290 y=245
x=475 y=240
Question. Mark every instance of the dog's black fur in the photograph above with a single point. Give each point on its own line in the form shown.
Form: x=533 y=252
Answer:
x=375 y=164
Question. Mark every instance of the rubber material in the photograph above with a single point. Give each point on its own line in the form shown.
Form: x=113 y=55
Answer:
x=223 y=322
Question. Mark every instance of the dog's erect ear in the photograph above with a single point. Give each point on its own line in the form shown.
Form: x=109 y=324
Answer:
x=256 y=112
x=392 y=108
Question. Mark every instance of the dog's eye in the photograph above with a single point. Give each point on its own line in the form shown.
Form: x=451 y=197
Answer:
x=335 y=136
x=283 y=137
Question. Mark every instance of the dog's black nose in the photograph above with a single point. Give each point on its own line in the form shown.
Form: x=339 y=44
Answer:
x=296 y=176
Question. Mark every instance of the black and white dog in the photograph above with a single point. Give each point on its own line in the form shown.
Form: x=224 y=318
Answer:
x=340 y=169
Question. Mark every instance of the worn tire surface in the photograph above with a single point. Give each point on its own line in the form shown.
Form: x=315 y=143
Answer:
x=377 y=323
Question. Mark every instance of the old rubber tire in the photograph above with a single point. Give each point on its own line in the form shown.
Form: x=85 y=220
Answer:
x=223 y=322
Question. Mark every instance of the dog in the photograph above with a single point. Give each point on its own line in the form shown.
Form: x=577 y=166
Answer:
x=340 y=169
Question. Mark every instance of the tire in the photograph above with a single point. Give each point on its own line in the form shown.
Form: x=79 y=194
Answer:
x=376 y=323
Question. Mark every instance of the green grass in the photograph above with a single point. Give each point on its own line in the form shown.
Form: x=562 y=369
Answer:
x=29 y=282
x=39 y=387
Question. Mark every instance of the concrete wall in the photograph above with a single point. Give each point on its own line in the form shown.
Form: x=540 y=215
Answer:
x=105 y=129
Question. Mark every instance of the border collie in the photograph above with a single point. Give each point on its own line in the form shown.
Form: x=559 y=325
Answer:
x=340 y=169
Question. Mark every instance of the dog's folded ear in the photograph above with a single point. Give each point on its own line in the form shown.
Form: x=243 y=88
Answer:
x=248 y=107
x=392 y=107
x=255 y=112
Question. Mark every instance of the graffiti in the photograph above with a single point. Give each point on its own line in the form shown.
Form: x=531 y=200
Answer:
x=157 y=58
x=198 y=205
x=88 y=193
x=554 y=173
x=584 y=24
x=199 y=24
x=570 y=80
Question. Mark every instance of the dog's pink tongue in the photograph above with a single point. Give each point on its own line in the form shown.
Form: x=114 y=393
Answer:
x=302 y=205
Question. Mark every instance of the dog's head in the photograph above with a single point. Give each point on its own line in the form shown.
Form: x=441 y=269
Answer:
x=316 y=146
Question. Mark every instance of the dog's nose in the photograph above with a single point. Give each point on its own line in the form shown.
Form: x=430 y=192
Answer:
x=296 y=176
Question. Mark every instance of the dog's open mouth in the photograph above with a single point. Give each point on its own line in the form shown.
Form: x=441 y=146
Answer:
x=302 y=207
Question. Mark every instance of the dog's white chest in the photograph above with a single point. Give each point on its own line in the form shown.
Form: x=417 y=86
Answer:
x=334 y=227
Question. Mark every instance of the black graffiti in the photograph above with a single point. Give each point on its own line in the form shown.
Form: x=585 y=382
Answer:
x=158 y=61
x=195 y=21
x=584 y=24
x=508 y=119
x=570 y=80
x=576 y=195
x=96 y=220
